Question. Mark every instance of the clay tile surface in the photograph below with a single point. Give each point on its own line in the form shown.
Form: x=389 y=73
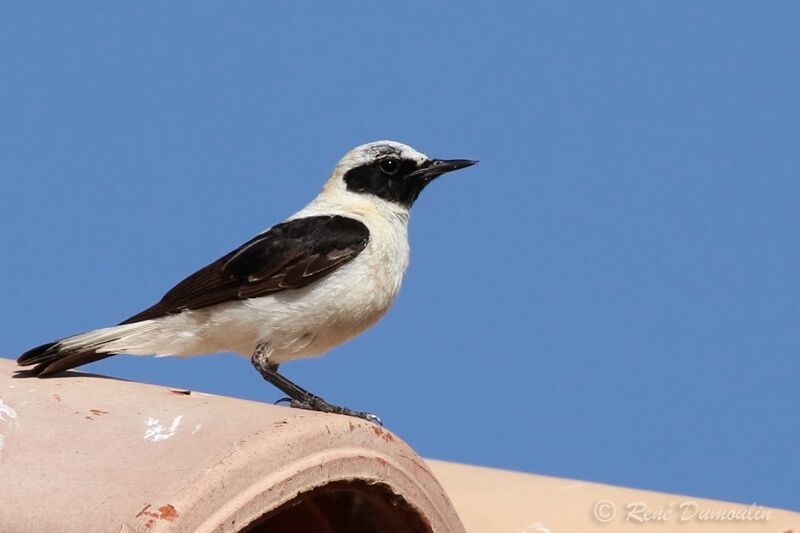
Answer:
x=88 y=453
x=490 y=500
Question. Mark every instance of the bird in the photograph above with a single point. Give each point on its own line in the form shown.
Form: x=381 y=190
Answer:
x=297 y=289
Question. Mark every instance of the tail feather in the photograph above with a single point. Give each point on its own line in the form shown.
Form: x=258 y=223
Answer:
x=63 y=362
x=78 y=350
x=52 y=358
x=37 y=355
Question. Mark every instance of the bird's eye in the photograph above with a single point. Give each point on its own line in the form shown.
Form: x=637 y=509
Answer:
x=390 y=166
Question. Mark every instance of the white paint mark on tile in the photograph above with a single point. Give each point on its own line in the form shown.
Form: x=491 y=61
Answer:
x=31 y=390
x=156 y=432
x=197 y=428
x=12 y=386
x=7 y=413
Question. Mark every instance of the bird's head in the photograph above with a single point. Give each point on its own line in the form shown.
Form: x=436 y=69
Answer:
x=391 y=171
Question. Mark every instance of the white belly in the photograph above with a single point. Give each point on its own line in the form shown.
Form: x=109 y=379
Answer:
x=312 y=320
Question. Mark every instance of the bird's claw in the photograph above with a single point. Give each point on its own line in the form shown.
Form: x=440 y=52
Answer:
x=300 y=405
x=371 y=417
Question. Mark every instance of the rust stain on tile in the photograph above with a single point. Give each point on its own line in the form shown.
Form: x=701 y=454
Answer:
x=385 y=435
x=143 y=511
x=95 y=412
x=165 y=512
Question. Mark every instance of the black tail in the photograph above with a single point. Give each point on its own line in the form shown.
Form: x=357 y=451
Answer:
x=50 y=358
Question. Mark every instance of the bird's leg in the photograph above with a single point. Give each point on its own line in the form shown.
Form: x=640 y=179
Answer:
x=300 y=397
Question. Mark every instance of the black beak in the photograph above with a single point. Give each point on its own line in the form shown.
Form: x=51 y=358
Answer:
x=437 y=167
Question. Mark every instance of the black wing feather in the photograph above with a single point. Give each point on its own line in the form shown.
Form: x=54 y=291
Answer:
x=290 y=255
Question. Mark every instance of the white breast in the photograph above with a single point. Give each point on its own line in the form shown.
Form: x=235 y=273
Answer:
x=350 y=299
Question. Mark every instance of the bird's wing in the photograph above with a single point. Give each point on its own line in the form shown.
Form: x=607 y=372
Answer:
x=290 y=255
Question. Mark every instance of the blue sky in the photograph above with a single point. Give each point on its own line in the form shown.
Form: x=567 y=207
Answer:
x=612 y=294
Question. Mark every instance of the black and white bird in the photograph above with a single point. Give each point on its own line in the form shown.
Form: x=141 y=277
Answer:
x=299 y=288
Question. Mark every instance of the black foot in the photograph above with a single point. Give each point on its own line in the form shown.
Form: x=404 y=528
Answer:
x=315 y=403
x=298 y=396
